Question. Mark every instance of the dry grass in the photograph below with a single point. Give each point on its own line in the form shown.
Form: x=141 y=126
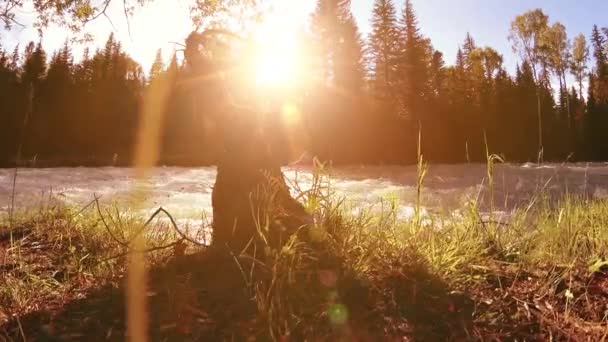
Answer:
x=542 y=275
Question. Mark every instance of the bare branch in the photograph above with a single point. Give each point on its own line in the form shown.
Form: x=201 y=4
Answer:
x=149 y=250
x=124 y=7
x=179 y=232
x=107 y=227
x=7 y=15
x=103 y=12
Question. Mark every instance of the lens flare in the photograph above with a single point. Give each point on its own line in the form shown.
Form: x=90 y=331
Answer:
x=338 y=314
x=291 y=114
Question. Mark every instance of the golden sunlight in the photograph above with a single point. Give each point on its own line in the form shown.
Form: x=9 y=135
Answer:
x=276 y=65
x=277 y=52
x=146 y=35
x=291 y=114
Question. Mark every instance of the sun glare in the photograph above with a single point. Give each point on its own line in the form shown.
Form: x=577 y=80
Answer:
x=277 y=56
x=275 y=64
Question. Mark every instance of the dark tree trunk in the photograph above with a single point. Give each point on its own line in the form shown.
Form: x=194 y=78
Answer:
x=250 y=199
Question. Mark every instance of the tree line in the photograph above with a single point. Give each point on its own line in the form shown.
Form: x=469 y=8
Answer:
x=371 y=99
x=65 y=111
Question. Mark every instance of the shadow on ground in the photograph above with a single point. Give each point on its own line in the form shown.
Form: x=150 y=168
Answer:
x=206 y=297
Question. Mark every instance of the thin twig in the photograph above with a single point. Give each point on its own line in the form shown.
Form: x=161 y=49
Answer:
x=158 y=211
x=84 y=208
x=236 y=260
x=8 y=16
x=21 y=328
x=102 y=12
x=105 y=224
x=106 y=4
x=110 y=21
x=181 y=234
x=144 y=226
x=124 y=8
x=148 y=250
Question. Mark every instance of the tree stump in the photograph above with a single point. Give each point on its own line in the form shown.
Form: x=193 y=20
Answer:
x=252 y=205
x=250 y=198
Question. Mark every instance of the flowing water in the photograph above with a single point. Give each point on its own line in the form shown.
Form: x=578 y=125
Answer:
x=186 y=192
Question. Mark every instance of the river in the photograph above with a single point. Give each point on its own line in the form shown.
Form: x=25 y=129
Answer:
x=186 y=192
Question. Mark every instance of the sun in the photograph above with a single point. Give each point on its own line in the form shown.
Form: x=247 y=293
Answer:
x=277 y=58
x=276 y=64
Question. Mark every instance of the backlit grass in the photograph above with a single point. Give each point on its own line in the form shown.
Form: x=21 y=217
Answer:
x=538 y=275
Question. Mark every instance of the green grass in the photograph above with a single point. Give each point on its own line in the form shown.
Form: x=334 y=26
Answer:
x=542 y=275
x=51 y=255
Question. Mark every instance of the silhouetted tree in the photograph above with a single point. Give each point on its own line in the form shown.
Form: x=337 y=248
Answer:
x=412 y=64
x=384 y=49
x=158 y=65
x=85 y=109
x=526 y=35
x=597 y=102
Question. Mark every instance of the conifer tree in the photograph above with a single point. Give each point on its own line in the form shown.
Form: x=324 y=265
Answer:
x=412 y=64
x=383 y=47
x=468 y=47
x=349 y=72
x=339 y=44
x=158 y=66
x=600 y=52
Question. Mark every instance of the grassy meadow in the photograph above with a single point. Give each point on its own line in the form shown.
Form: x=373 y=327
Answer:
x=541 y=274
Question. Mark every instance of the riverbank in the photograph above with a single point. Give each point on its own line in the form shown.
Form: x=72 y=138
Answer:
x=186 y=192
x=542 y=275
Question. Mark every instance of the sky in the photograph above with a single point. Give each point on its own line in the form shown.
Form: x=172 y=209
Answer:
x=446 y=22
